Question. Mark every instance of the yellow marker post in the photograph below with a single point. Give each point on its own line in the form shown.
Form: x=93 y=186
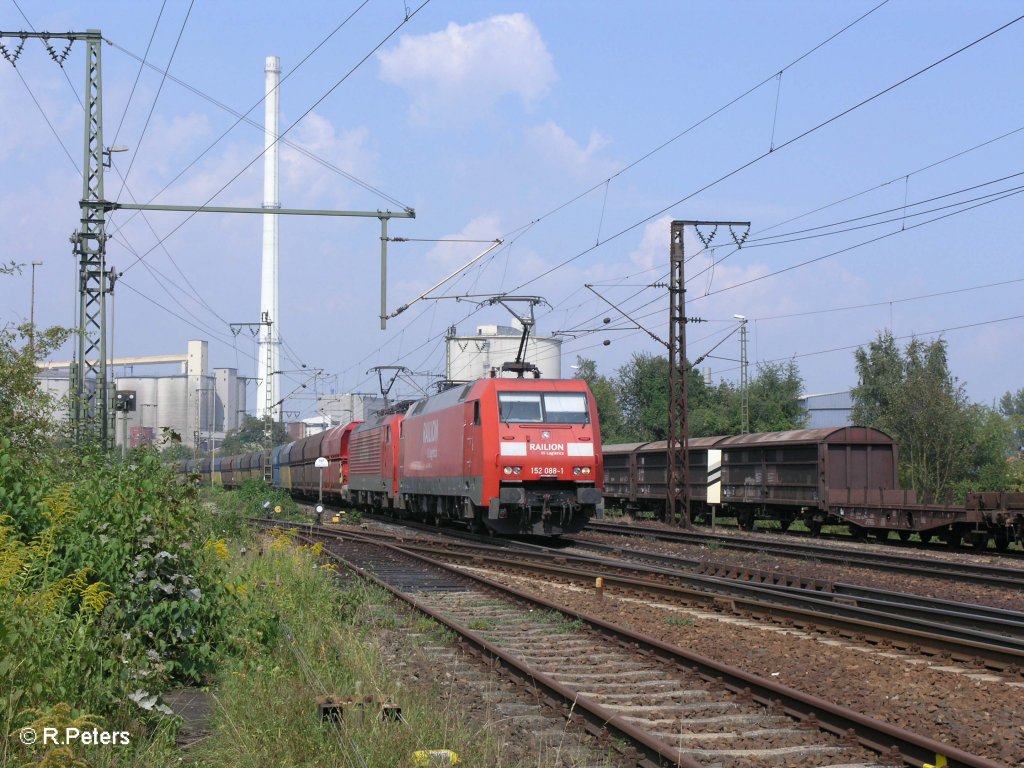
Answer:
x=940 y=762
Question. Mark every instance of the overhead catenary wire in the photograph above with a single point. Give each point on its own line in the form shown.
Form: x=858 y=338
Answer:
x=138 y=75
x=514 y=234
x=847 y=198
x=993 y=197
x=789 y=142
x=156 y=98
x=299 y=119
x=115 y=236
x=647 y=155
x=887 y=235
x=243 y=117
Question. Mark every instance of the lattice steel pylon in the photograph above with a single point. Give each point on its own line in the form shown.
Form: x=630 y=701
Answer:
x=92 y=414
x=90 y=410
x=678 y=470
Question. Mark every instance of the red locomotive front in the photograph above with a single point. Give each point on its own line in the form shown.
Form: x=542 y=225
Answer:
x=513 y=455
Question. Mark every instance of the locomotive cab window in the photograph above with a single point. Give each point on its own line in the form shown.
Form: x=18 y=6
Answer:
x=566 y=408
x=520 y=407
x=543 y=408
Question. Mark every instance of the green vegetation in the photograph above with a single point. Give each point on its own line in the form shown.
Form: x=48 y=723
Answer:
x=110 y=592
x=948 y=445
x=330 y=638
x=633 y=405
x=119 y=583
x=560 y=623
x=250 y=437
x=678 y=621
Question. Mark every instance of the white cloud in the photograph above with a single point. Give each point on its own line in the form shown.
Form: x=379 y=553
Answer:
x=454 y=253
x=169 y=143
x=558 y=150
x=304 y=179
x=469 y=67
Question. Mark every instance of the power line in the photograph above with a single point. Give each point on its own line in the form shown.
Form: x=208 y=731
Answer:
x=697 y=124
x=243 y=117
x=773 y=239
x=965 y=326
x=315 y=104
x=124 y=182
x=138 y=74
x=519 y=231
x=156 y=98
x=891 y=301
x=783 y=145
x=857 y=245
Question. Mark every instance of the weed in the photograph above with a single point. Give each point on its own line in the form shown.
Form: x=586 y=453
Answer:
x=425 y=625
x=678 y=621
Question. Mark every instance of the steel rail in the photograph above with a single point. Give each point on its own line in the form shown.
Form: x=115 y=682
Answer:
x=876 y=735
x=904 y=600
x=1012 y=578
x=980 y=618
x=598 y=719
x=991 y=634
x=1004 y=652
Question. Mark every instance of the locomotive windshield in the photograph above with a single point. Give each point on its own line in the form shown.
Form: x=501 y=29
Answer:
x=543 y=407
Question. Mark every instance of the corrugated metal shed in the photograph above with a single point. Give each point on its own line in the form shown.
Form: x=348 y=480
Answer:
x=828 y=409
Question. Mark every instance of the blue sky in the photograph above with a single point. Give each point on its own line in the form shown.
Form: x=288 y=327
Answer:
x=565 y=128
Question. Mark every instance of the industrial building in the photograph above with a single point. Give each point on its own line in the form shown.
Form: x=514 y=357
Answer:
x=197 y=406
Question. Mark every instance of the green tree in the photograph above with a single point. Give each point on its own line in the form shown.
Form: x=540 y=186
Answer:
x=608 y=411
x=250 y=437
x=912 y=396
x=642 y=389
x=991 y=440
x=1011 y=406
x=26 y=411
x=774 y=398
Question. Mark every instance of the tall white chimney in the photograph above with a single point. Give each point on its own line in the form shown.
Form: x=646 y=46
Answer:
x=267 y=390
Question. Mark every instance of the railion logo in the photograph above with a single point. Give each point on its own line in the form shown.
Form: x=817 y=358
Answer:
x=548 y=447
x=430 y=431
x=545 y=435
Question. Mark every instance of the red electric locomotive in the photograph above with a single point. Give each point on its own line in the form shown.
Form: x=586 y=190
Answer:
x=373 y=459
x=510 y=455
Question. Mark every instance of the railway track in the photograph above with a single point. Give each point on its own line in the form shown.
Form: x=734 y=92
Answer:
x=966 y=632
x=675 y=707
x=889 y=538
x=987 y=575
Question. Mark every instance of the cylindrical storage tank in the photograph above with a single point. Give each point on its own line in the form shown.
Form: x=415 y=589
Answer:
x=146 y=397
x=172 y=407
x=473 y=357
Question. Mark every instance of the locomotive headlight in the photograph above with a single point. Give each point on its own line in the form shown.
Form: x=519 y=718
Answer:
x=516 y=470
x=508 y=470
x=581 y=470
